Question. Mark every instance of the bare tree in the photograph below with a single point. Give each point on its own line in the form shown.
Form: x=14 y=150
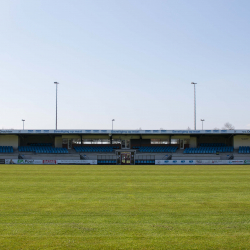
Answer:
x=188 y=128
x=228 y=126
x=216 y=128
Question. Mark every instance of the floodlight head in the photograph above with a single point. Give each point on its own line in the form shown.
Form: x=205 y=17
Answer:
x=23 y=120
x=202 y=120
x=56 y=82
x=113 y=120
x=193 y=83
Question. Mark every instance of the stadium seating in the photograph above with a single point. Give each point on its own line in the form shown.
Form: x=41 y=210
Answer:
x=208 y=150
x=107 y=162
x=43 y=149
x=6 y=149
x=138 y=162
x=95 y=149
x=156 y=149
x=244 y=150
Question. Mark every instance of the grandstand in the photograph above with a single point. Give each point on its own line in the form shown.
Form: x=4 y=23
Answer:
x=128 y=147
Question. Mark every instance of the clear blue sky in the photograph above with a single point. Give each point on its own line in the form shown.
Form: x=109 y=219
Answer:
x=128 y=60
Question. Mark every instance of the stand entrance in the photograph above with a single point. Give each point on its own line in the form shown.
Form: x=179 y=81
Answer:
x=125 y=157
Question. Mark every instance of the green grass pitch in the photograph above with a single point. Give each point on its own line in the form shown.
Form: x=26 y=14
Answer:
x=124 y=207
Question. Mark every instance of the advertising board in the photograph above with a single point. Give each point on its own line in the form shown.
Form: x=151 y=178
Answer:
x=23 y=161
x=200 y=162
x=49 y=161
x=217 y=162
x=11 y=161
x=237 y=162
x=175 y=162
x=29 y=161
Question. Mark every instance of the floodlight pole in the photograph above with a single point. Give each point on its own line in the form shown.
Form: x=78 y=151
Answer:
x=112 y=123
x=56 y=102
x=202 y=120
x=194 y=105
x=23 y=123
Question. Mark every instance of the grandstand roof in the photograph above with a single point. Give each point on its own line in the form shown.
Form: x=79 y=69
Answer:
x=103 y=131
